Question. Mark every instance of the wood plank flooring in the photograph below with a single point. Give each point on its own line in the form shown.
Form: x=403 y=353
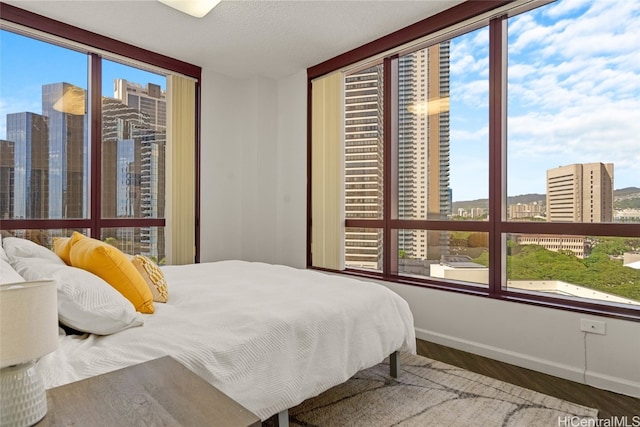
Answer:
x=609 y=404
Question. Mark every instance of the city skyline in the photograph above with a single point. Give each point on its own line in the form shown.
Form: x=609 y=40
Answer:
x=45 y=167
x=574 y=93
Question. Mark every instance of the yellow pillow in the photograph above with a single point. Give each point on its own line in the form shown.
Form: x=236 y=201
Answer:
x=114 y=267
x=152 y=274
x=62 y=246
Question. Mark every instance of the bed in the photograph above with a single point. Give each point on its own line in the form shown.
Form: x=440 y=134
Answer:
x=269 y=336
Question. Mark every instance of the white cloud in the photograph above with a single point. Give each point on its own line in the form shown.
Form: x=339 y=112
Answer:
x=474 y=94
x=574 y=88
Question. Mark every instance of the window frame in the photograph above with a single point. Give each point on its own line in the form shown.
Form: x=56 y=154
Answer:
x=495 y=14
x=96 y=47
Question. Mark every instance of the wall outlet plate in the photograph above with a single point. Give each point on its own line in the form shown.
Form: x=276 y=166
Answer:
x=593 y=326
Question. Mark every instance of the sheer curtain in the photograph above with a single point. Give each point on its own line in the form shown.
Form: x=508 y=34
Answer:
x=327 y=172
x=180 y=170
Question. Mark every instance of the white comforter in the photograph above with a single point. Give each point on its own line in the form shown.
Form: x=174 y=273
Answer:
x=268 y=336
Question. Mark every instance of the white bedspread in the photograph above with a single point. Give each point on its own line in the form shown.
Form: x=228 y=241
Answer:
x=268 y=336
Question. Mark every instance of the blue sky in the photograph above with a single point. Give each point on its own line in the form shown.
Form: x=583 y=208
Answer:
x=27 y=64
x=574 y=92
x=574 y=96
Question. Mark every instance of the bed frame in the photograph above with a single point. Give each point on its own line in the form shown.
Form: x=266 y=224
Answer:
x=282 y=419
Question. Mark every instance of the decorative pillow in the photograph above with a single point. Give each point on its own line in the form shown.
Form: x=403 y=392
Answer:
x=85 y=302
x=22 y=248
x=8 y=274
x=62 y=246
x=152 y=274
x=114 y=267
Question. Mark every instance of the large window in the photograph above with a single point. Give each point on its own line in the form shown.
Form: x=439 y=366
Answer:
x=499 y=156
x=83 y=136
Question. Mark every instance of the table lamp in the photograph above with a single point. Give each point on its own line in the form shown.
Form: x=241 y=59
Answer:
x=28 y=331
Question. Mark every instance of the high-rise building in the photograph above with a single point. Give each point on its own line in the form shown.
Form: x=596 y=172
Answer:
x=7 y=176
x=28 y=169
x=363 y=165
x=580 y=193
x=133 y=159
x=63 y=105
x=423 y=155
x=423 y=148
x=149 y=100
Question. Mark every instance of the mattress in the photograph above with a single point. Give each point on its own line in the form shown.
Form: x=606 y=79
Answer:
x=268 y=336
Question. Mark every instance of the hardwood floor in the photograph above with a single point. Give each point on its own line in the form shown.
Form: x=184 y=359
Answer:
x=609 y=404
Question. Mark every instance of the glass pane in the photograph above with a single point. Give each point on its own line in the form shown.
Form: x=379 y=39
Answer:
x=133 y=142
x=460 y=256
x=147 y=241
x=363 y=144
x=593 y=267
x=45 y=237
x=363 y=248
x=43 y=130
x=442 y=130
x=573 y=102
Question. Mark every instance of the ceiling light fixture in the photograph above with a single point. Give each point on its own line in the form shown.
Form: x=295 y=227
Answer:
x=197 y=8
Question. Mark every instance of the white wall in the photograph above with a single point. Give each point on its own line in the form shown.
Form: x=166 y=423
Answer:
x=253 y=169
x=254 y=208
x=537 y=338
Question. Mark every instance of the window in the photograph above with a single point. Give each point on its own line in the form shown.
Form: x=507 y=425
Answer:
x=502 y=157
x=43 y=123
x=83 y=137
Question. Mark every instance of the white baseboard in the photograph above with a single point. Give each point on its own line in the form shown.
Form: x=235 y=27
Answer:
x=572 y=373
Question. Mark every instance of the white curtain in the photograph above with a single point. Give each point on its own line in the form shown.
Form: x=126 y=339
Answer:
x=180 y=170
x=327 y=172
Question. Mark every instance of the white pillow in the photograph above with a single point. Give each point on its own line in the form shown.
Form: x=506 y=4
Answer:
x=3 y=254
x=8 y=274
x=85 y=301
x=23 y=248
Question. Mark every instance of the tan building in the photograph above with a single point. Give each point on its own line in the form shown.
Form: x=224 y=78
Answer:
x=580 y=193
x=521 y=211
x=556 y=242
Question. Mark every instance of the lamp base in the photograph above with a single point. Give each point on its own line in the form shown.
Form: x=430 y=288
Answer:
x=24 y=400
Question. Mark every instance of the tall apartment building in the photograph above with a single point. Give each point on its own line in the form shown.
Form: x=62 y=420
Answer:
x=7 y=175
x=423 y=142
x=423 y=155
x=134 y=142
x=363 y=165
x=63 y=106
x=580 y=193
x=28 y=168
x=149 y=100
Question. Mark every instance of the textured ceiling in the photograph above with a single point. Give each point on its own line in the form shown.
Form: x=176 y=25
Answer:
x=243 y=38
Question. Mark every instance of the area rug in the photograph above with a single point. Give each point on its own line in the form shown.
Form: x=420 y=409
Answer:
x=432 y=393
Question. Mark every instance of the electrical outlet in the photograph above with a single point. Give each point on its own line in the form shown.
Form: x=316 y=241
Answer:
x=593 y=326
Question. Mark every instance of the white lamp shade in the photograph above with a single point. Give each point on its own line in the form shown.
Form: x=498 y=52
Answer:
x=28 y=321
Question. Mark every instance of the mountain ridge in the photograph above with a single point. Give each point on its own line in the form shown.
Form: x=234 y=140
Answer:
x=626 y=193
